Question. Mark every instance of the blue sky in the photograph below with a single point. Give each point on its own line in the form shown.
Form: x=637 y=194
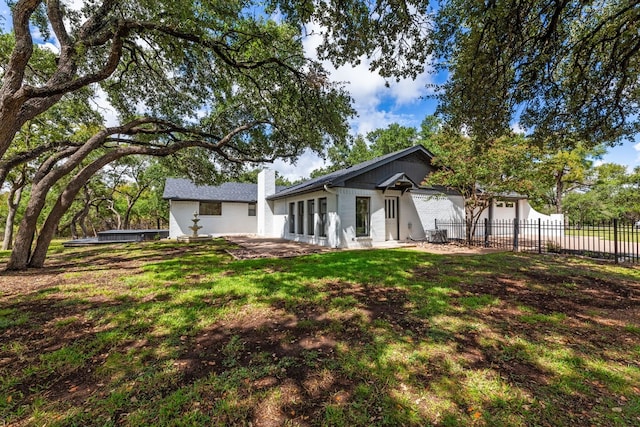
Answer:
x=405 y=102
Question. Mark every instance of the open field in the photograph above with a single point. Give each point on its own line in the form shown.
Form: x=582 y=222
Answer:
x=626 y=234
x=166 y=334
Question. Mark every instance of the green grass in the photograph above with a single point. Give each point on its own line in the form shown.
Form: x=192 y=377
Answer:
x=189 y=336
x=625 y=234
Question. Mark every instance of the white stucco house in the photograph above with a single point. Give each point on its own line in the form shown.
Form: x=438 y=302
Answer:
x=364 y=205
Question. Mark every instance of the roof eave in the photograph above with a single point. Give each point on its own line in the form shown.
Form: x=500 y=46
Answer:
x=319 y=187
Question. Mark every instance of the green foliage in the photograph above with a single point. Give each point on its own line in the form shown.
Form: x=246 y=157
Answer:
x=562 y=69
x=394 y=35
x=481 y=172
x=393 y=138
x=610 y=192
x=560 y=172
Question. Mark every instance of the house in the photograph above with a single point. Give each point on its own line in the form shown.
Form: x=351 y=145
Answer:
x=364 y=205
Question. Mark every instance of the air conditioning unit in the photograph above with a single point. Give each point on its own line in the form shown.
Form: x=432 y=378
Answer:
x=437 y=236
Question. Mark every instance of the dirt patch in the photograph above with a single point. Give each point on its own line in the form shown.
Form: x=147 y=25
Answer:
x=248 y=247
x=454 y=248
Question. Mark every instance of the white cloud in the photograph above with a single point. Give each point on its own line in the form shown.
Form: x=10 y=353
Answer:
x=515 y=127
x=308 y=162
x=372 y=119
x=74 y=4
x=105 y=108
x=373 y=100
x=376 y=104
x=52 y=47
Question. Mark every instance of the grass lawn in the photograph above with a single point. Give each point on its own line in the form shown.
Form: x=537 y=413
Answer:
x=626 y=234
x=166 y=334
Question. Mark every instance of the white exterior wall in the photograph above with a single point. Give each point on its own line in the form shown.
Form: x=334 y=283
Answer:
x=347 y=213
x=264 y=207
x=432 y=206
x=235 y=219
x=526 y=213
x=416 y=213
x=281 y=219
x=529 y=213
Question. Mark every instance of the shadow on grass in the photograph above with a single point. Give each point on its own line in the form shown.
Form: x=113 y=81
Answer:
x=347 y=338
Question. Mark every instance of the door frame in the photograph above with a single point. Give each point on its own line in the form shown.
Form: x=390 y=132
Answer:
x=396 y=203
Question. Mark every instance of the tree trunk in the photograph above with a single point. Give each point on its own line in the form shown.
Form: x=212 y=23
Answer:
x=116 y=214
x=15 y=194
x=127 y=216
x=73 y=187
x=131 y=202
x=83 y=225
x=64 y=202
x=559 y=193
x=46 y=177
x=19 y=258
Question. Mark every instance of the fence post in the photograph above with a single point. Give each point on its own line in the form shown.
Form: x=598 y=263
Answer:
x=486 y=232
x=539 y=235
x=435 y=221
x=515 y=235
x=615 y=239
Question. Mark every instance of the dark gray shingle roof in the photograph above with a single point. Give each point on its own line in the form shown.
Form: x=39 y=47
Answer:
x=338 y=178
x=184 y=189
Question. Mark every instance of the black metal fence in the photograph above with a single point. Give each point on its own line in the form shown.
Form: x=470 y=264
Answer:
x=614 y=240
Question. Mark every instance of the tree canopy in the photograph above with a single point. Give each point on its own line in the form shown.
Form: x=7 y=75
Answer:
x=565 y=70
x=215 y=77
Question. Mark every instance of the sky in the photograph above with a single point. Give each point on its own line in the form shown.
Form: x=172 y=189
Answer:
x=377 y=105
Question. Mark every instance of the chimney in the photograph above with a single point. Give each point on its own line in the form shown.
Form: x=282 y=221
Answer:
x=266 y=187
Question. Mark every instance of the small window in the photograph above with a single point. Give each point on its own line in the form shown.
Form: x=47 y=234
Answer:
x=362 y=216
x=252 y=209
x=322 y=216
x=311 y=223
x=509 y=204
x=499 y=204
x=300 y=217
x=210 y=208
x=292 y=218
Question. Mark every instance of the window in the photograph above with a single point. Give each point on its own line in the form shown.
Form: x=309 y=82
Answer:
x=300 y=217
x=252 y=209
x=362 y=216
x=210 y=208
x=292 y=218
x=323 y=216
x=311 y=223
x=509 y=204
x=499 y=204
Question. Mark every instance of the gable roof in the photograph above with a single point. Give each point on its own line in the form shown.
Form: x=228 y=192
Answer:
x=338 y=178
x=184 y=189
